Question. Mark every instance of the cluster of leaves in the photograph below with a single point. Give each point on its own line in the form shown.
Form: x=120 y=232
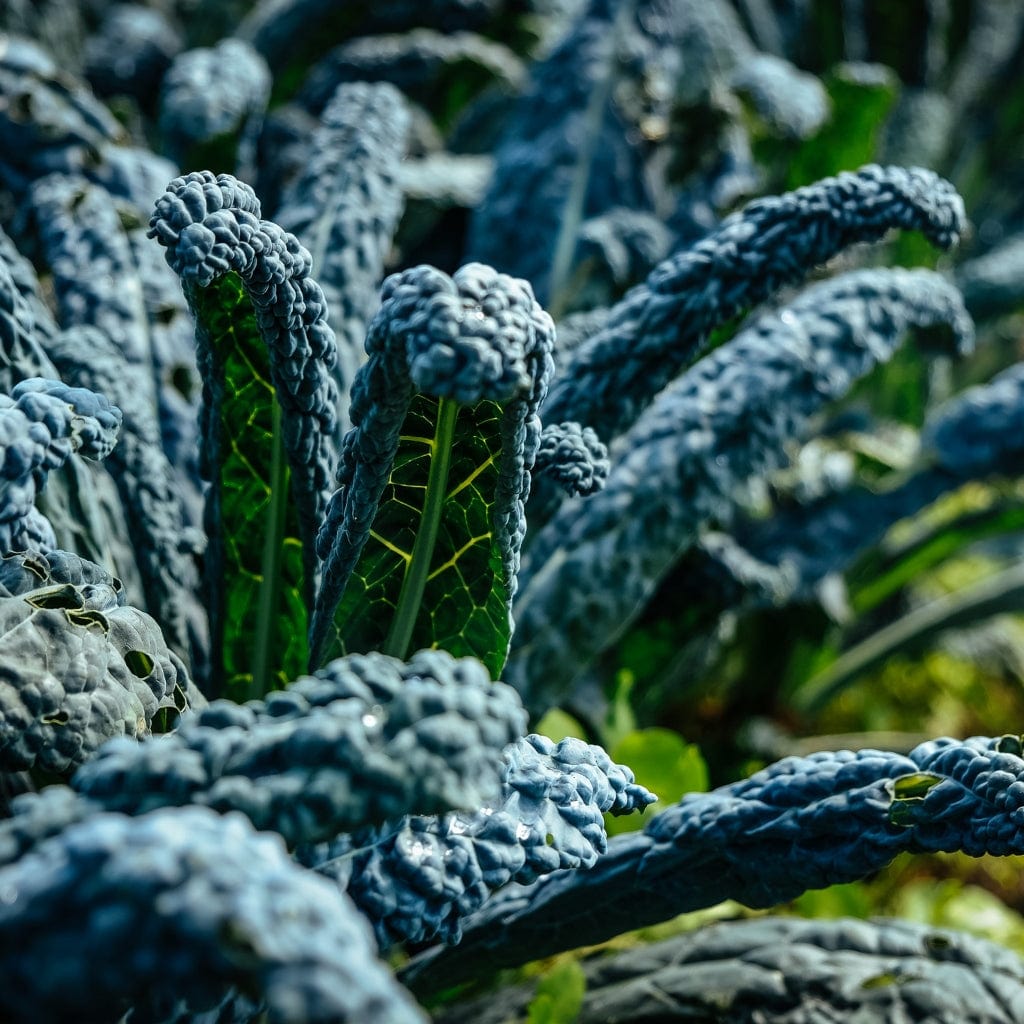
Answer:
x=356 y=508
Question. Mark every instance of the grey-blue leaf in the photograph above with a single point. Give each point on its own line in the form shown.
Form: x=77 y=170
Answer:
x=184 y=904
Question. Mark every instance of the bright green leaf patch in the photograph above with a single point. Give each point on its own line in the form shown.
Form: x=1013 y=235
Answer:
x=850 y=138
x=664 y=763
x=908 y=793
x=405 y=594
x=915 y=785
x=559 y=995
x=558 y=724
x=256 y=551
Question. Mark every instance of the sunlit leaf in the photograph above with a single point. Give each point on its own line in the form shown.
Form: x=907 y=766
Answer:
x=559 y=995
x=463 y=607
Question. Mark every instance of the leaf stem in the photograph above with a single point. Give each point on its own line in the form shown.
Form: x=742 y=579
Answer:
x=263 y=670
x=411 y=596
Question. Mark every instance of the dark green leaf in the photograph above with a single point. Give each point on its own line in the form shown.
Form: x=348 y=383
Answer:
x=860 y=104
x=465 y=595
x=262 y=583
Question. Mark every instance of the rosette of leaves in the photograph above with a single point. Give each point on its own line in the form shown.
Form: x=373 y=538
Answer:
x=421 y=540
x=265 y=352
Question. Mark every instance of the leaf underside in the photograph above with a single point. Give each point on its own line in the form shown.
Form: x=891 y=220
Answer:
x=465 y=603
x=252 y=504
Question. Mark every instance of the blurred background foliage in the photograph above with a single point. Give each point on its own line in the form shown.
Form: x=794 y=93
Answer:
x=697 y=695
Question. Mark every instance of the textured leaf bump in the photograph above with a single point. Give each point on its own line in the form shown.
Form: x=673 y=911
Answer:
x=77 y=664
x=418 y=877
x=366 y=738
x=184 y=904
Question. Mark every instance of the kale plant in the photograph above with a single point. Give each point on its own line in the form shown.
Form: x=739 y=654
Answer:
x=438 y=365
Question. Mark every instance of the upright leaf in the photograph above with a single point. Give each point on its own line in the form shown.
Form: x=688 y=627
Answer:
x=345 y=206
x=265 y=351
x=421 y=540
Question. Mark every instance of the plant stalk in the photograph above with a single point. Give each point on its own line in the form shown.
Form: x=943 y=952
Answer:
x=264 y=669
x=411 y=596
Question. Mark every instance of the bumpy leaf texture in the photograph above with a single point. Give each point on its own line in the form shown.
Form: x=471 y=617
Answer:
x=799 y=972
x=181 y=905
x=42 y=423
x=662 y=324
x=265 y=352
x=803 y=823
x=148 y=488
x=975 y=435
x=85 y=241
x=81 y=230
x=79 y=665
x=345 y=208
x=720 y=425
x=457 y=369
x=172 y=350
x=418 y=877
x=51 y=123
x=574 y=457
x=366 y=738
x=107 y=274
x=563 y=129
x=81 y=503
x=65 y=127
x=212 y=103
x=26 y=324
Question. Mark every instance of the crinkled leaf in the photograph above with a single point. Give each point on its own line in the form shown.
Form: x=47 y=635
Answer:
x=421 y=541
x=268 y=415
x=465 y=600
x=256 y=518
x=77 y=664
